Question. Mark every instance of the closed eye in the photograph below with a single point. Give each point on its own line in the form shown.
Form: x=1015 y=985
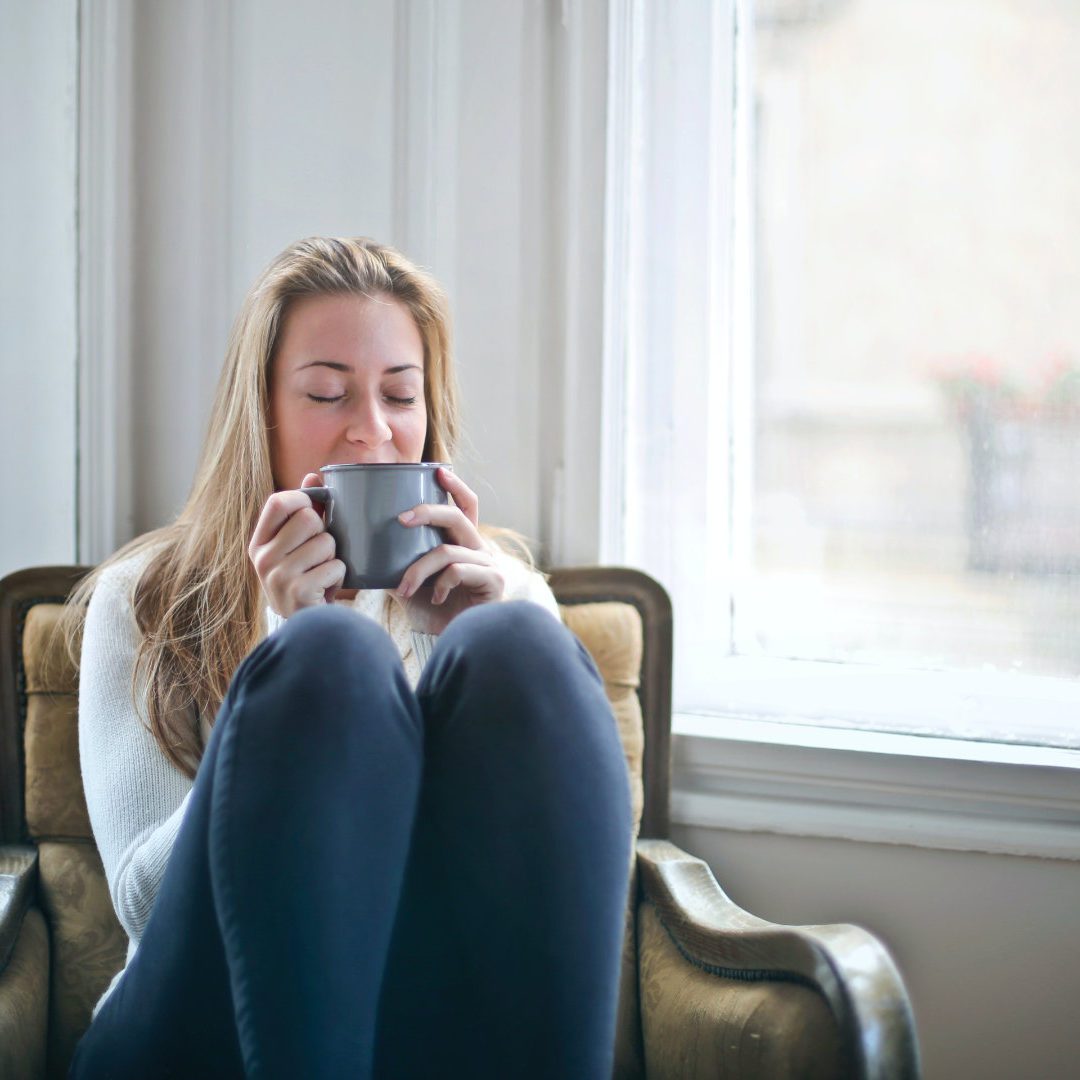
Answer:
x=330 y=400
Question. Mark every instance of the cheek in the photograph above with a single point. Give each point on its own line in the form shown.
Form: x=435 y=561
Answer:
x=420 y=434
x=297 y=436
x=276 y=439
x=412 y=434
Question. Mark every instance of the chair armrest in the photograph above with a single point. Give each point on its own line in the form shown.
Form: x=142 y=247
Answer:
x=18 y=883
x=846 y=965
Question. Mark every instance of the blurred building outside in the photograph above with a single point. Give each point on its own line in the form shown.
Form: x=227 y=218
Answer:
x=917 y=356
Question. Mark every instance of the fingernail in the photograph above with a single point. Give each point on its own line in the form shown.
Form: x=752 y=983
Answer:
x=404 y=589
x=406 y=517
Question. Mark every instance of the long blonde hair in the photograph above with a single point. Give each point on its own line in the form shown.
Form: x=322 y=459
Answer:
x=198 y=602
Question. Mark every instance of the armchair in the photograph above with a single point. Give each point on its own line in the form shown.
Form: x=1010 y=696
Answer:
x=706 y=988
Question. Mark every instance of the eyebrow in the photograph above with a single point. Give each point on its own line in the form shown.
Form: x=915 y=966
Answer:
x=336 y=366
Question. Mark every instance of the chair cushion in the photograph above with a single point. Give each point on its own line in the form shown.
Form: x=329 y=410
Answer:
x=55 y=804
x=611 y=631
x=24 y=1001
x=46 y=662
x=698 y=1024
x=88 y=944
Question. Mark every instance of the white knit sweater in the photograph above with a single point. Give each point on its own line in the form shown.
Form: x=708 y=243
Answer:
x=135 y=795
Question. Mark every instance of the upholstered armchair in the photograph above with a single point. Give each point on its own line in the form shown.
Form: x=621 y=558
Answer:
x=706 y=988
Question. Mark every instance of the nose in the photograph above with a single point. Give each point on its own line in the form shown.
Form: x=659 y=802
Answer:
x=368 y=425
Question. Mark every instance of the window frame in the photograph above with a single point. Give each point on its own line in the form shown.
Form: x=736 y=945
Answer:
x=743 y=767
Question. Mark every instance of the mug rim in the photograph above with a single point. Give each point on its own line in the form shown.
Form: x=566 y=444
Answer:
x=386 y=465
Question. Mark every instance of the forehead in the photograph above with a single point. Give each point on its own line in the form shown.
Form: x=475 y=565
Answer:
x=349 y=329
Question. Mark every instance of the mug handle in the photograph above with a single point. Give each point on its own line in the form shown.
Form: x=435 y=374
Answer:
x=322 y=495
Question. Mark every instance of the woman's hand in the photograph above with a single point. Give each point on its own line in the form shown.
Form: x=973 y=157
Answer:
x=459 y=574
x=292 y=552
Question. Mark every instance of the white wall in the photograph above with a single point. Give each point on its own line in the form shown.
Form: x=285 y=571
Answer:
x=38 y=283
x=497 y=254
x=311 y=152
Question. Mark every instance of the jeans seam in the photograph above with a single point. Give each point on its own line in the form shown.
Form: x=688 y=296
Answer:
x=219 y=843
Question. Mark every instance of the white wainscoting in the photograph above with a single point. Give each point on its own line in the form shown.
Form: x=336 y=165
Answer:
x=38 y=281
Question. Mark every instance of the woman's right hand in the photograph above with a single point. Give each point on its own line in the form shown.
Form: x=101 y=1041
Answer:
x=293 y=554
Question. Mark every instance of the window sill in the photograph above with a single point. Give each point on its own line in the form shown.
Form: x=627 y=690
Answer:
x=760 y=775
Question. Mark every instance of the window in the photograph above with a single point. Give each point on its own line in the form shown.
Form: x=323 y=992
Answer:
x=851 y=265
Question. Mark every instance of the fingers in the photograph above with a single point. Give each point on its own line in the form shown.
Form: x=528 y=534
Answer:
x=316 y=551
x=459 y=520
x=300 y=527
x=278 y=509
x=304 y=578
x=293 y=554
x=317 y=584
x=463 y=495
x=457 y=527
x=484 y=581
x=323 y=575
x=438 y=559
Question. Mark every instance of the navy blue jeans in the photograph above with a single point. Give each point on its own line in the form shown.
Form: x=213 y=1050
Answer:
x=374 y=882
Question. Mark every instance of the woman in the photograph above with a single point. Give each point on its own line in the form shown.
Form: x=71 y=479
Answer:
x=381 y=833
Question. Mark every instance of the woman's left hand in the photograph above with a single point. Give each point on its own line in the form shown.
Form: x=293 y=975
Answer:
x=456 y=575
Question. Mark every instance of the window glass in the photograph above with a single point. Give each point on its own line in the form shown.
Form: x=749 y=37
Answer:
x=916 y=346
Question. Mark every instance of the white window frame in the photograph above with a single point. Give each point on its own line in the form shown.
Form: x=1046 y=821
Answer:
x=763 y=763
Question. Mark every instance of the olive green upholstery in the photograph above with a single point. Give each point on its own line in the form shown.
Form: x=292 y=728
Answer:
x=24 y=1001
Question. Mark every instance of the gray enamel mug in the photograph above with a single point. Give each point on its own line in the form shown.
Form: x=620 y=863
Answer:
x=362 y=505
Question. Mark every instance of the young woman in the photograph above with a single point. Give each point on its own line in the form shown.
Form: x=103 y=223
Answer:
x=381 y=833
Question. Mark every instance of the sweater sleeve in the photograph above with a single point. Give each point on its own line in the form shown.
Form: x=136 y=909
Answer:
x=136 y=796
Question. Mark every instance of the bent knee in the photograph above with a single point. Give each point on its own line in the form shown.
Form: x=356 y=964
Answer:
x=328 y=635
x=329 y=670
x=514 y=661
x=327 y=652
x=502 y=633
